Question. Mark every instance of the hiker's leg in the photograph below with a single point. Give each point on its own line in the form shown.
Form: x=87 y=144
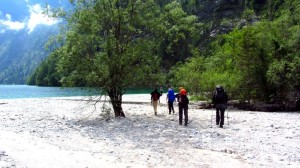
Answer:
x=155 y=103
x=169 y=105
x=180 y=114
x=186 y=118
x=172 y=107
x=217 y=116
x=222 y=116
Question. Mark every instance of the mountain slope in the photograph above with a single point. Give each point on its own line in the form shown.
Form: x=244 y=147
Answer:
x=24 y=30
x=21 y=53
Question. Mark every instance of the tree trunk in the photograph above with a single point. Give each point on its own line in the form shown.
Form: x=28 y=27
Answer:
x=115 y=96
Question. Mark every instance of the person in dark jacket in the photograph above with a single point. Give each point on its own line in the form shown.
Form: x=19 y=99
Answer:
x=155 y=95
x=219 y=101
x=183 y=102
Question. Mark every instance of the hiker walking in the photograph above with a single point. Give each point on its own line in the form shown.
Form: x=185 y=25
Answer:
x=161 y=90
x=170 y=99
x=155 y=95
x=219 y=101
x=183 y=102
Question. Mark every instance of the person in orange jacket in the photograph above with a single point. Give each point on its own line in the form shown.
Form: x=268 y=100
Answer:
x=183 y=102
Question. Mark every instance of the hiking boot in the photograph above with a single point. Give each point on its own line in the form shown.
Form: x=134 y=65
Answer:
x=155 y=113
x=221 y=126
x=185 y=124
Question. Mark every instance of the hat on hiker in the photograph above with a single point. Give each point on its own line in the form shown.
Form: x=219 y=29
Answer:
x=183 y=92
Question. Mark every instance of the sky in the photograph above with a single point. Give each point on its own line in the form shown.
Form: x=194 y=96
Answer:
x=16 y=15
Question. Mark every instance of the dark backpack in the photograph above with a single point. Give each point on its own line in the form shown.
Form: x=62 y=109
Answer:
x=183 y=100
x=155 y=96
x=220 y=97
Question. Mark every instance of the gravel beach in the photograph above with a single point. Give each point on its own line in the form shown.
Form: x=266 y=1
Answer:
x=70 y=132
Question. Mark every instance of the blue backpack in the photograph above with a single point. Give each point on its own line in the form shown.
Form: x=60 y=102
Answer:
x=171 y=95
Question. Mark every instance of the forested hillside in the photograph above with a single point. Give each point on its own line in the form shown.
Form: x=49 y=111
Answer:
x=248 y=46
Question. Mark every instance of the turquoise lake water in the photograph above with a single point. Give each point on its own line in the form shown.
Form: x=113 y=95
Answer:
x=25 y=91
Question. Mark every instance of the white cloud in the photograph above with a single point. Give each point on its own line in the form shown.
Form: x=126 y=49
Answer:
x=38 y=18
x=9 y=24
x=8 y=16
x=13 y=25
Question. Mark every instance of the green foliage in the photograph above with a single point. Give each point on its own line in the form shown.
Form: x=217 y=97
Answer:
x=46 y=74
x=179 y=33
x=258 y=62
x=166 y=33
x=110 y=44
x=248 y=14
x=238 y=63
x=183 y=76
x=108 y=47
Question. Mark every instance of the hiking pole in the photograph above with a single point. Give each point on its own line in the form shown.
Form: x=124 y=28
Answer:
x=211 y=117
x=227 y=118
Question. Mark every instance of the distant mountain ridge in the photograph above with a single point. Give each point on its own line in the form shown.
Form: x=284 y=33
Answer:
x=21 y=53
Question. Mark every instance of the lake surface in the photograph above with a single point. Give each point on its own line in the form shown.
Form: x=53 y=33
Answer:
x=25 y=91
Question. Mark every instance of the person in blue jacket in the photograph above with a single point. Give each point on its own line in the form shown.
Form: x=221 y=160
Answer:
x=170 y=99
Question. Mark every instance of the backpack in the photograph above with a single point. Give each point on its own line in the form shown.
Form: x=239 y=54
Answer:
x=155 y=96
x=171 y=95
x=220 y=97
x=182 y=99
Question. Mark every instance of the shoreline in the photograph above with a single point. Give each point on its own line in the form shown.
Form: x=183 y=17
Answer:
x=57 y=132
x=144 y=99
